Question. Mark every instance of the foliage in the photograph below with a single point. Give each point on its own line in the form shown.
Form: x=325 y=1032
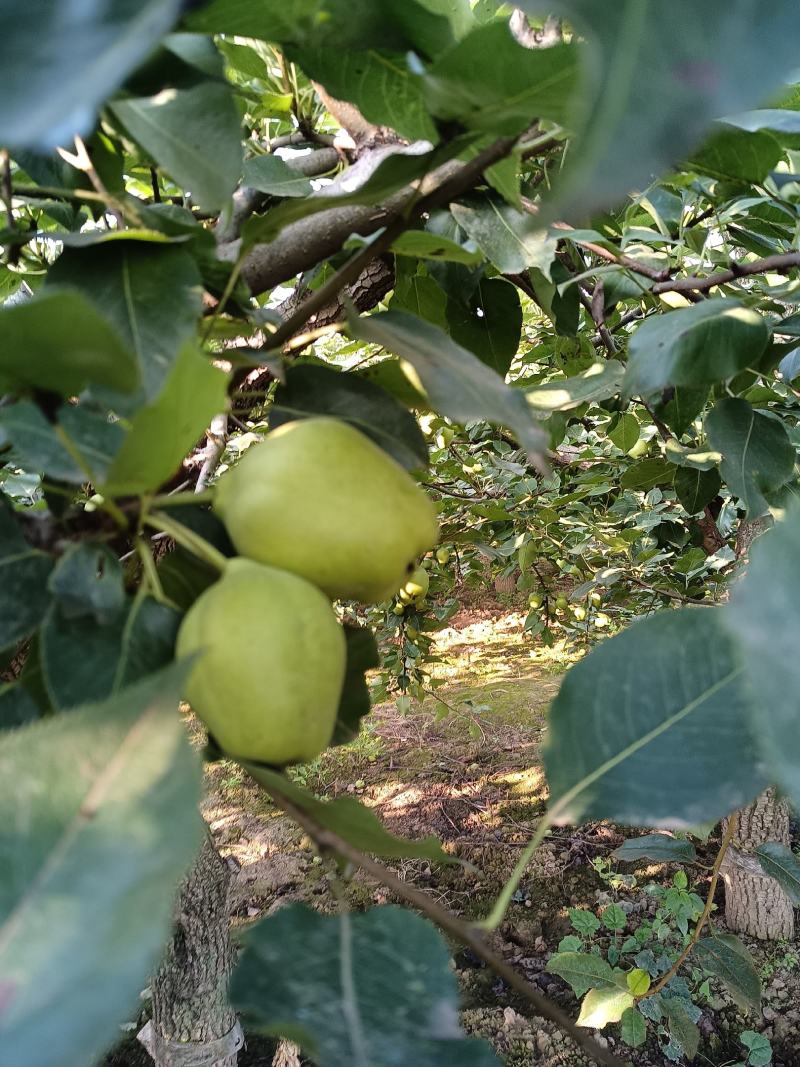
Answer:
x=585 y=270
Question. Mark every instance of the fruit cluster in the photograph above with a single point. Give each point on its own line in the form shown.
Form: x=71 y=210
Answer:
x=318 y=513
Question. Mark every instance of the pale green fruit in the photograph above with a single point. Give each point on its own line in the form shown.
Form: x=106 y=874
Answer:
x=398 y=609
x=562 y=602
x=535 y=600
x=596 y=599
x=270 y=669
x=580 y=613
x=318 y=498
x=417 y=585
x=443 y=556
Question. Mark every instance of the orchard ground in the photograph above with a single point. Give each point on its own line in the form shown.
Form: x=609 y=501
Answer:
x=474 y=778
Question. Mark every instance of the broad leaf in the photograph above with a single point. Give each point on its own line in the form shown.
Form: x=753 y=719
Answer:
x=759 y=456
x=340 y=996
x=660 y=848
x=652 y=728
x=163 y=432
x=603 y=1006
x=311 y=390
x=706 y=342
x=584 y=971
x=511 y=239
x=764 y=613
x=625 y=432
x=680 y=406
x=17 y=706
x=90 y=351
x=682 y=1030
x=88 y=581
x=424 y=244
x=726 y=958
x=733 y=154
x=193 y=133
x=456 y=382
x=647 y=474
x=600 y=382
x=101 y=822
x=696 y=488
x=24 y=571
x=59 y=64
x=273 y=175
x=783 y=865
x=490 y=324
x=633 y=1028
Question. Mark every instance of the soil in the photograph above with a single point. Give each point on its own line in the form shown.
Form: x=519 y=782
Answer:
x=474 y=778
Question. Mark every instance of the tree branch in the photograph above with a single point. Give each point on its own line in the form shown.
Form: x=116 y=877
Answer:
x=779 y=263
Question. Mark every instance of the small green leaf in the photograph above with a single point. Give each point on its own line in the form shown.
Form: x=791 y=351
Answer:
x=24 y=596
x=625 y=433
x=600 y=382
x=584 y=921
x=647 y=474
x=638 y=982
x=733 y=154
x=88 y=581
x=490 y=324
x=633 y=1029
x=354 y=703
x=614 y=918
x=273 y=175
x=583 y=971
x=603 y=1006
x=682 y=1030
x=696 y=488
x=759 y=1047
x=783 y=865
x=511 y=239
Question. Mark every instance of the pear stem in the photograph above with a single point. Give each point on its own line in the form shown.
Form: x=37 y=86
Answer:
x=187 y=538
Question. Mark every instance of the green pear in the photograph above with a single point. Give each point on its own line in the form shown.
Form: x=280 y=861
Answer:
x=319 y=499
x=417 y=584
x=270 y=665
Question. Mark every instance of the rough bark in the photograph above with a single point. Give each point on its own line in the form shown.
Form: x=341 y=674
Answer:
x=193 y=1024
x=755 y=904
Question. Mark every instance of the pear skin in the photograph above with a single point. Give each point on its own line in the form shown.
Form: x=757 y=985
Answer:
x=270 y=664
x=319 y=499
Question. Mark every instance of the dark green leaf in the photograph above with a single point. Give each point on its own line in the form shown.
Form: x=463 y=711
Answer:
x=633 y=1029
x=37 y=445
x=59 y=67
x=89 y=351
x=340 y=996
x=706 y=342
x=660 y=848
x=625 y=432
x=727 y=958
x=311 y=390
x=652 y=728
x=696 y=488
x=423 y=244
x=24 y=596
x=456 y=382
x=681 y=1028
x=511 y=239
x=162 y=433
x=733 y=154
x=88 y=581
x=349 y=819
x=679 y=407
x=600 y=382
x=17 y=706
x=354 y=703
x=273 y=175
x=490 y=325
x=583 y=971
x=100 y=824
x=759 y=456
x=193 y=133
x=647 y=474
x=783 y=865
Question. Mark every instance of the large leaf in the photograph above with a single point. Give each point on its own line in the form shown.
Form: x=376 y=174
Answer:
x=599 y=382
x=340 y=994
x=511 y=239
x=193 y=133
x=656 y=75
x=733 y=154
x=489 y=82
x=764 y=613
x=661 y=848
x=162 y=433
x=653 y=727
x=60 y=63
x=783 y=865
x=100 y=824
x=89 y=350
x=706 y=342
x=603 y=1006
x=24 y=571
x=696 y=488
x=727 y=958
x=88 y=581
x=456 y=382
x=273 y=175
x=151 y=293
x=584 y=971
x=311 y=390
x=682 y=1030
x=490 y=324
x=758 y=455
x=349 y=819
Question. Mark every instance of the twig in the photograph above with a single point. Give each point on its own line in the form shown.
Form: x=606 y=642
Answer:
x=779 y=263
x=330 y=841
x=215 y=445
x=727 y=837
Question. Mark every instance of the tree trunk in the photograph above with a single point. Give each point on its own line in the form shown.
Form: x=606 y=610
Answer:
x=193 y=1024
x=755 y=904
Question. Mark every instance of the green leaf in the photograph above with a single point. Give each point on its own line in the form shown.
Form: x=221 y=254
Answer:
x=735 y=155
x=17 y=706
x=58 y=68
x=24 y=597
x=339 y=996
x=638 y=981
x=354 y=703
x=614 y=918
x=101 y=822
x=88 y=581
x=727 y=958
x=63 y=322
x=193 y=133
x=682 y=1030
x=696 y=488
x=152 y=294
x=759 y=1048
x=679 y=407
x=783 y=865
x=697 y=459
x=603 y=1006
x=490 y=325
x=511 y=239
x=423 y=244
x=349 y=819
x=759 y=456
x=37 y=445
x=583 y=971
x=653 y=727
x=647 y=474
x=706 y=342
x=655 y=76
x=162 y=433
x=600 y=382
x=625 y=433
x=633 y=1030
x=584 y=921
x=311 y=390
x=489 y=82
x=273 y=175
x=660 y=848
x=456 y=382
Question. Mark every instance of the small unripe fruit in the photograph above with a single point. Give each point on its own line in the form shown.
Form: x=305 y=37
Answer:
x=535 y=600
x=595 y=599
x=562 y=602
x=580 y=613
x=417 y=584
x=398 y=609
x=443 y=555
